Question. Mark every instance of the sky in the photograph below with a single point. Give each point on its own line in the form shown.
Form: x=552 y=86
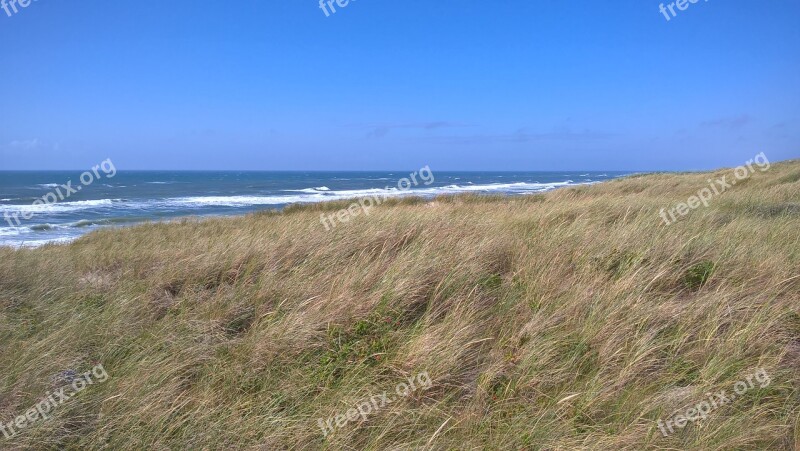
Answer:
x=384 y=85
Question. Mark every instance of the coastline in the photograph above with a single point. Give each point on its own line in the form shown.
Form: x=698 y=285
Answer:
x=115 y=208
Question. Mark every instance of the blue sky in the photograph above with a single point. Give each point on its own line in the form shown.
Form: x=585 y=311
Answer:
x=458 y=85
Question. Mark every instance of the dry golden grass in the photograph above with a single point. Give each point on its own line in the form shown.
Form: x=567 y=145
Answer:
x=570 y=320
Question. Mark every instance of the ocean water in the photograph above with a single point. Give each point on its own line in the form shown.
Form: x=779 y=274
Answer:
x=131 y=197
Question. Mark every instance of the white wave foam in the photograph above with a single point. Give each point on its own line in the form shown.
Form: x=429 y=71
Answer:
x=237 y=201
x=48 y=185
x=518 y=187
x=38 y=243
x=311 y=195
x=58 y=207
x=309 y=190
x=12 y=231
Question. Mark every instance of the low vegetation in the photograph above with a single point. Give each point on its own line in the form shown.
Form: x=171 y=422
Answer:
x=574 y=319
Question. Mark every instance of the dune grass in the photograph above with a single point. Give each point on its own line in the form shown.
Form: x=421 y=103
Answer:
x=574 y=319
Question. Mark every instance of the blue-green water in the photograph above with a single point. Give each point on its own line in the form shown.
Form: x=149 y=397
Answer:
x=130 y=197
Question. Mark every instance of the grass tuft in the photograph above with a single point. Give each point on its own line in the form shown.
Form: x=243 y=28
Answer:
x=698 y=274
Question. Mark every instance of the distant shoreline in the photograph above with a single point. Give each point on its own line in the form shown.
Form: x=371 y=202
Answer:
x=134 y=197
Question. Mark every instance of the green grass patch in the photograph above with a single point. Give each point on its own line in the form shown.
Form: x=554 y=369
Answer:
x=698 y=274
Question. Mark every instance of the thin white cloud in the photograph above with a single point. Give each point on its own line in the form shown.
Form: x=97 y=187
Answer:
x=25 y=144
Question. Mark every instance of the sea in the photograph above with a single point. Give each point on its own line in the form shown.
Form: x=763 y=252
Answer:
x=132 y=197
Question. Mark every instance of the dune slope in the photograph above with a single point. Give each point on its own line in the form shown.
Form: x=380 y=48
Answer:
x=576 y=319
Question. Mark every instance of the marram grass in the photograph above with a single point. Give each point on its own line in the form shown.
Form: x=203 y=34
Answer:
x=571 y=320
